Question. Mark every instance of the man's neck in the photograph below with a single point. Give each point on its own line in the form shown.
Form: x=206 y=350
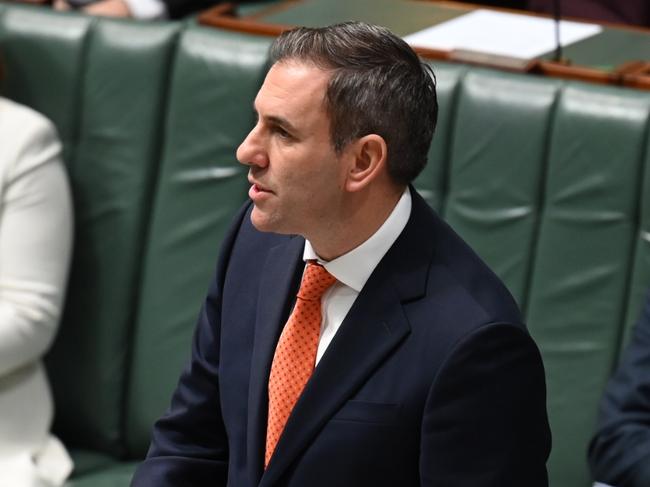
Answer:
x=362 y=216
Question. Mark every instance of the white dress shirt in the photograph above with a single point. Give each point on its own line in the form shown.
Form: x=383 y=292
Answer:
x=147 y=9
x=353 y=269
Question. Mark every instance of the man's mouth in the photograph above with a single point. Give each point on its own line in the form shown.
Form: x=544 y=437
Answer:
x=258 y=192
x=260 y=189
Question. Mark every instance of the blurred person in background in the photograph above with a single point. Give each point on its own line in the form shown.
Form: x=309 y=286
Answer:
x=35 y=248
x=138 y=9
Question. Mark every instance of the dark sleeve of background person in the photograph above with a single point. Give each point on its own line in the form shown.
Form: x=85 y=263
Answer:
x=177 y=9
x=619 y=454
x=635 y=12
x=515 y=4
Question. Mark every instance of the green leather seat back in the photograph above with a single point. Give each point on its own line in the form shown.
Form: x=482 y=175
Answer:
x=544 y=179
x=216 y=77
x=118 y=475
x=640 y=278
x=581 y=272
x=52 y=84
x=432 y=182
x=104 y=85
x=496 y=169
x=124 y=96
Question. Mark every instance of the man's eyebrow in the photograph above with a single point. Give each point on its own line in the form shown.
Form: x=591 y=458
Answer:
x=282 y=122
x=276 y=120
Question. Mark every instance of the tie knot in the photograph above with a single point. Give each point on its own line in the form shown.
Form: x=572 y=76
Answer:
x=315 y=282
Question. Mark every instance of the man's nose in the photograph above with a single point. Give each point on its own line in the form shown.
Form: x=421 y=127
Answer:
x=251 y=151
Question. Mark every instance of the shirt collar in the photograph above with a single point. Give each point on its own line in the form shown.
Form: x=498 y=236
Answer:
x=354 y=268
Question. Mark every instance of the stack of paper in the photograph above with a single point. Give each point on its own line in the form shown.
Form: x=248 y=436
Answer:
x=502 y=34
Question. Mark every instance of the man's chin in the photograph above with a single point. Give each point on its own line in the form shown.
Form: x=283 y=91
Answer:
x=264 y=222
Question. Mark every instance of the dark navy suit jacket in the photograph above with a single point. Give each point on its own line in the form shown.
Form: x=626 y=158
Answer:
x=619 y=454
x=431 y=380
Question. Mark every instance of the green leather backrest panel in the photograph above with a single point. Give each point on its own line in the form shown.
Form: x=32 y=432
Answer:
x=543 y=178
x=431 y=183
x=216 y=77
x=640 y=283
x=580 y=274
x=115 y=476
x=496 y=169
x=44 y=55
x=122 y=99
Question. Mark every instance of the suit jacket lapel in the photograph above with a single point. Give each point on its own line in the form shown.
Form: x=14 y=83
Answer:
x=280 y=278
x=375 y=325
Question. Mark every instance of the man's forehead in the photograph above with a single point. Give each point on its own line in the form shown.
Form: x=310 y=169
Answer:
x=297 y=74
x=300 y=64
x=295 y=81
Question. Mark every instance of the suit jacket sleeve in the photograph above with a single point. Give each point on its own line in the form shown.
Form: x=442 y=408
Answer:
x=189 y=443
x=485 y=422
x=619 y=454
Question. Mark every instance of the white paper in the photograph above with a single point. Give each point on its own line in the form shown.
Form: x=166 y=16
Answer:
x=504 y=34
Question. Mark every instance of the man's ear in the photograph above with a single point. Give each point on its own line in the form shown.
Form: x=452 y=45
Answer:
x=369 y=158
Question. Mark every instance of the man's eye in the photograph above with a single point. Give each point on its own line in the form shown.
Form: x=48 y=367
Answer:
x=282 y=133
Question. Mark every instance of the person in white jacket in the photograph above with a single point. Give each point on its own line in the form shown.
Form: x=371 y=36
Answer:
x=35 y=248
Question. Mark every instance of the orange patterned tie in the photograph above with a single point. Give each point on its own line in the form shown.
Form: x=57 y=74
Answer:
x=295 y=354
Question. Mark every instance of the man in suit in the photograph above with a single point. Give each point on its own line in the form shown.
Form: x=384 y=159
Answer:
x=420 y=371
x=619 y=453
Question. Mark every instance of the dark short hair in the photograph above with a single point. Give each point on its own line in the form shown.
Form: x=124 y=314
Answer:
x=378 y=86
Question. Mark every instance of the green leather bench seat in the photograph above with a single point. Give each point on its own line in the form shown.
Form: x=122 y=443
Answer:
x=548 y=180
x=641 y=252
x=114 y=107
x=201 y=185
x=116 y=475
x=150 y=114
x=581 y=274
x=544 y=180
